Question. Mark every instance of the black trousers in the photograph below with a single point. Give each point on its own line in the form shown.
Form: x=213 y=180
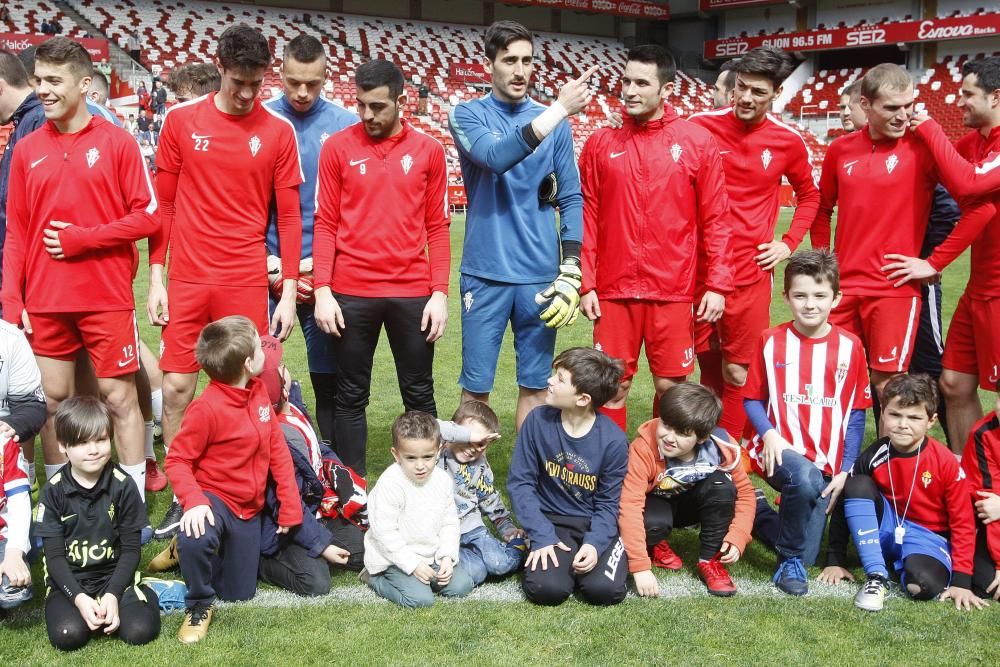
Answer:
x=983 y=568
x=604 y=585
x=140 y=620
x=296 y=571
x=355 y=352
x=711 y=503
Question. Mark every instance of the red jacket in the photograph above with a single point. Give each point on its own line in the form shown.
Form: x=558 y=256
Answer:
x=382 y=215
x=95 y=179
x=651 y=192
x=755 y=159
x=229 y=440
x=981 y=463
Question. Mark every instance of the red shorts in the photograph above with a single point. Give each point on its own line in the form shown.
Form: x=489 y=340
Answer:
x=973 y=344
x=192 y=306
x=747 y=316
x=887 y=327
x=666 y=328
x=111 y=339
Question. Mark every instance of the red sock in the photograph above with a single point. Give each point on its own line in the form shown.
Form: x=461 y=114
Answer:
x=734 y=417
x=710 y=370
x=618 y=416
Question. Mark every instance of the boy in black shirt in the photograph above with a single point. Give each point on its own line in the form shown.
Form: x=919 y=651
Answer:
x=90 y=516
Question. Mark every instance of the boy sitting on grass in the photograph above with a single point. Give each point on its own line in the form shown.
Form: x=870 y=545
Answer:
x=682 y=471
x=981 y=462
x=89 y=517
x=907 y=505
x=565 y=482
x=218 y=465
x=806 y=395
x=411 y=547
x=481 y=553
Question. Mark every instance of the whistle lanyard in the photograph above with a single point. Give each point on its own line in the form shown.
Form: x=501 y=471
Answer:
x=900 y=531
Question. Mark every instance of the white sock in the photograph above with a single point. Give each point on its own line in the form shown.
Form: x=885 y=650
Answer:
x=148 y=440
x=157 y=397
x=51 y=470
x=138 y=474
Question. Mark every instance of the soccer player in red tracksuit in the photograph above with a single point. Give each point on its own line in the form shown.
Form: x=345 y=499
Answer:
x=757 y=151
x=219 y=160
x=972 y=351
x=882 y=180
x=653 y=190
x=381 y=252
x=80 y=195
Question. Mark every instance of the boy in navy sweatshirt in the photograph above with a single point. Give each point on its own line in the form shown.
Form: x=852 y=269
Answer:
x=565 y=482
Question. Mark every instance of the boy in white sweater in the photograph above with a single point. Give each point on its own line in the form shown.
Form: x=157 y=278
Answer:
x=411 y=547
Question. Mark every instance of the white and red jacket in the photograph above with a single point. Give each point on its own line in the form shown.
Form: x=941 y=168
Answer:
x=96 y=180
x=651 y=193
x=382 y=215
x=755 y=158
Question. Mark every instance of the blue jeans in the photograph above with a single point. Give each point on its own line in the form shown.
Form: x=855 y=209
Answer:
x=802 y=513
x=483 y=555
x=407 y=591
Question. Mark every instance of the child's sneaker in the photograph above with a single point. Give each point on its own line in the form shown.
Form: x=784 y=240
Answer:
x=716 y=578
x=196 y=622
x=663 y=556
x=871 y=597
x=518 y=543
x=155 y=479
x=171 y=522
x=168 y=559
x=791 y=577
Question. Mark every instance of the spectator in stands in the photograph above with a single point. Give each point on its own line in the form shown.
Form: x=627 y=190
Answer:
x=509 y=146
x=130 y=124
x=4 y=14
x=144 y=125
x=725 y=83
x=194 y=80
x=145 y=99
x=852 y=116
x=159 y=98
x=56 y=27
x=134 y=45
x=423 y=93
x=47 y=27
x=154 y=129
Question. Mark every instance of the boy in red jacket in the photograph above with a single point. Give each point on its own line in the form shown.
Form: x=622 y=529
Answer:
x=218 y=466
x=981 y=463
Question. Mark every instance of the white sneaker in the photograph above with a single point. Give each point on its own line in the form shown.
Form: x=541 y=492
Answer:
x=871 y=597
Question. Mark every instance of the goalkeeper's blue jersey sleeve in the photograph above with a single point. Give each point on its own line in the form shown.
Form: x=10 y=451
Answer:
x=312 y=128
x=510 y=236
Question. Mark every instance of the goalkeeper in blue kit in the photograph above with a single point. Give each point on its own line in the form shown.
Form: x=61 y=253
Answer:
x=518 y=264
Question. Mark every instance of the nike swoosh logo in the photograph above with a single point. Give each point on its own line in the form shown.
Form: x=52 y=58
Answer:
x=67 y=518
x=687 y=363
x=867 y=532
x=724 y=152
x=38 y=162
x=199 y=137
x=614 y=155
x=885 y=360
x=355 y=163
x=125 y=362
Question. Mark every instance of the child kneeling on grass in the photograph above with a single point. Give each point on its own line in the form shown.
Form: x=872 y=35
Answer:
x=90 y=517
x=411 y=547
x=981 y=462
x=218 y=465
x=682 y=471
x=481 y=553
x=906 y=504
x=565 y=482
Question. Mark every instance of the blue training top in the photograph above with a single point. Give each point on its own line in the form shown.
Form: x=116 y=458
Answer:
x=96 y=109
x=312 y=128
x=509 y=235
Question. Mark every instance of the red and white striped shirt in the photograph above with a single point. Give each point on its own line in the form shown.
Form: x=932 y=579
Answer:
x=297 y=420
x=810 y=386
x=14 y=477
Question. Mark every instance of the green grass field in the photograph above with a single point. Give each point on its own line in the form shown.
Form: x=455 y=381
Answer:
x=496 y=626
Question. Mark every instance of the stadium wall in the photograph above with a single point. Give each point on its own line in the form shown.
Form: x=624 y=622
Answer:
x=966 y=47
x=752 y=20
x=452 y=11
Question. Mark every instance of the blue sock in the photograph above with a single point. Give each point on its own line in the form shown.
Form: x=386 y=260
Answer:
x=863 y=522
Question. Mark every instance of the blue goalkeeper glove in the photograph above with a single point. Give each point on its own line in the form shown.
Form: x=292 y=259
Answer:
x=564 y=294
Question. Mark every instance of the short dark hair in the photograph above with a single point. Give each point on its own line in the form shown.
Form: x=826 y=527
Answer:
x=480 y=412
x=654 y=54
x=853 y=89
x=987 y=71
x=766 y=61
x=377 y=73
x=502 y=34
x=243 y=48
x=911 y=390
x=819 y=265
x=592 y=372
x=305 y=49
x=885 y=76
x=81 y=419
x=415 y=425
x=195 y=79
x=12 y=70
x=224 y=345
x=64 y=51
x=27 y=58
x=691 y=408
x=729 y=65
